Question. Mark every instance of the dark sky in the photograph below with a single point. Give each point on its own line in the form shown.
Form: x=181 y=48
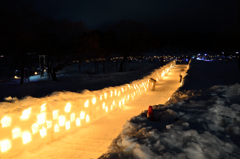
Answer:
x=180 y=16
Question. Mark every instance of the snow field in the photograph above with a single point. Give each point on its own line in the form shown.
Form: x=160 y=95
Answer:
x=27 y=124
x=192 y=123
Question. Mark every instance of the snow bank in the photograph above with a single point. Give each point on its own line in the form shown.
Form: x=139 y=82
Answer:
x=26 y=124
x=193 y=124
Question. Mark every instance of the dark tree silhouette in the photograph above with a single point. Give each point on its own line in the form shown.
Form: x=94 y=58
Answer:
x=133 y=37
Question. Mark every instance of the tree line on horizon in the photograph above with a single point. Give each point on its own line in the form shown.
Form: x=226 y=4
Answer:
x=24 y=32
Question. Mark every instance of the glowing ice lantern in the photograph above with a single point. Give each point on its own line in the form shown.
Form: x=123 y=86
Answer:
x=16 y=133
x=5 y=145
x=123 y=101
x=43 y=107
x=6 y=121
x=119 y=93
x=49 y=124
x=67 y=108
x=82 y=115
x=115 y=92
x=78 y=122
x=34 y=128
x=100 y=97
x=72 y=117
x=103 y=105
x=56 y=128
x=55 y=114
x=94 y=100
x=113 y=102
x=26 y=136
x=43 y=132
x=87 y=118
x=86 y=104
x=67 y=125
x=119 y=103
x=61 y=120
x=105 y=95
x=111 y=93
x=106 y=108
x=122 y=89
x=41 y=118
x=163 y=74
x=26 y=113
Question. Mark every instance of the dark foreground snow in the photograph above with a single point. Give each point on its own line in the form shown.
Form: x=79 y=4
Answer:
x=197 y=122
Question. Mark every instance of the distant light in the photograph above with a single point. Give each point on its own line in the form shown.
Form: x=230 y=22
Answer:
x=205 y=54
x=35 y=73
x=237 y=52
x=222 y=52
x=2 y=55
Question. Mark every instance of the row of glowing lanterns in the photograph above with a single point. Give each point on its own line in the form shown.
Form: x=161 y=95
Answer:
x=42 y=124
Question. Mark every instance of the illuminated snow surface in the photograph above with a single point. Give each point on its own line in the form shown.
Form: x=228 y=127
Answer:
x=192 y=124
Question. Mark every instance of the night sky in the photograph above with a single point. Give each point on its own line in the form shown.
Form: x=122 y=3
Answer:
x=177 y=16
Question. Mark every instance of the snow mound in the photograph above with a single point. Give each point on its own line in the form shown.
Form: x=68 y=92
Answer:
x=192 y=124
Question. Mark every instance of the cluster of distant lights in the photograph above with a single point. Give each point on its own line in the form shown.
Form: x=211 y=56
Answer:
x=65 y=118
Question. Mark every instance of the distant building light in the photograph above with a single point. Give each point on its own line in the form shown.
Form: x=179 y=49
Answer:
x=2 y=55
x=222 y=52
x=237 y=52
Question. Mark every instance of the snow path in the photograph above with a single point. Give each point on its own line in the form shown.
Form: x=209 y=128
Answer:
x=92 y=140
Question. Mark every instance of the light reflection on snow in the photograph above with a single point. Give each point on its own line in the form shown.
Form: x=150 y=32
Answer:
x=44 y=118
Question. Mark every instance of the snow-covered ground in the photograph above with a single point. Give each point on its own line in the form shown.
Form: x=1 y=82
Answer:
x=197 y=122
x=69 y=79
x=193 y=123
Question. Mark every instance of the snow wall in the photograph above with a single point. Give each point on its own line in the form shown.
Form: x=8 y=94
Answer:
x=31 y=122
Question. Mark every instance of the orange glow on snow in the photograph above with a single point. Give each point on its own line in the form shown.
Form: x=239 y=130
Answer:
x=6 y=121
x=5 y=145
x=26 y=136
